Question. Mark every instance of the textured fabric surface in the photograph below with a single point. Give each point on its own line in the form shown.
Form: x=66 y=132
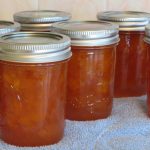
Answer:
x=127 y=129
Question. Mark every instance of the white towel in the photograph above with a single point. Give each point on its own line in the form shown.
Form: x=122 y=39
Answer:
x=128 y=128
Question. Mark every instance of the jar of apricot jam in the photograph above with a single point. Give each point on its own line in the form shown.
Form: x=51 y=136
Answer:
x=91 y=69
x=130 y=72
x=147 y=41
x=8 y=27
x=40 y=20
x=33 y=73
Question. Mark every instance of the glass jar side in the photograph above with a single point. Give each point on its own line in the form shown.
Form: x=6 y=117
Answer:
x=32 y=102
x=90 y=82
x=130 y=72
x=148 y=78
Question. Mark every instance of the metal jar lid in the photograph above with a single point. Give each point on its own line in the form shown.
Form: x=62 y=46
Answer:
x=37 y=27
x=41 y=19
x=89 y=33
x=34 y=47
x=8 y=26
x=127 y=20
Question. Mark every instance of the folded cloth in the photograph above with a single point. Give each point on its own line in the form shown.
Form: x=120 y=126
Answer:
x=128 y=128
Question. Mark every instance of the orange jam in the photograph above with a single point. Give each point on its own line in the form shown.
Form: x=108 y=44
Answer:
x=148 y=81
x=32 y=98
x=91 y=68
x=130 y=72
x=131 y=53
x=147 y=45
x=33 y=88
x=90 y=82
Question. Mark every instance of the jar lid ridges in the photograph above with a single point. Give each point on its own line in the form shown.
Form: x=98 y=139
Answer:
x=127 y=20
x=41 y=16
x=88 y=30
x=34 y=47
x=8 y=26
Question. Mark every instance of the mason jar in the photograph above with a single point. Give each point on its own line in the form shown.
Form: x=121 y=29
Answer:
x=91 y=68
x=8 y=27
x=130 y=72
x=147 y=41
x=40 y=20
x=33 y=74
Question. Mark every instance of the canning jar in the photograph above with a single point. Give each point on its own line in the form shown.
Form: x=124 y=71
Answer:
x=91 y=69
x=33 y=73
x=40 y=20
x=130 y=72
x=147 y=41
x=8 y=27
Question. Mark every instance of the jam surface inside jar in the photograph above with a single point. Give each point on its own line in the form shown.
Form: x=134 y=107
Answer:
x=90 y=82
x=131 y=62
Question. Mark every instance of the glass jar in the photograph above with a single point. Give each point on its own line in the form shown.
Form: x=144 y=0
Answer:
x=131 y=54
x=40 y=20
x=33 y=73
x=147 y=41
x=8 y=27
x=91 y=69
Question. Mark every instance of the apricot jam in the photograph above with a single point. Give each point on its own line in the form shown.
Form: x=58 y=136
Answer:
x=131 y=53
x=130 y=70
x=147 y=41
x=40 y=20
x=91 y=69
x=33 y=74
